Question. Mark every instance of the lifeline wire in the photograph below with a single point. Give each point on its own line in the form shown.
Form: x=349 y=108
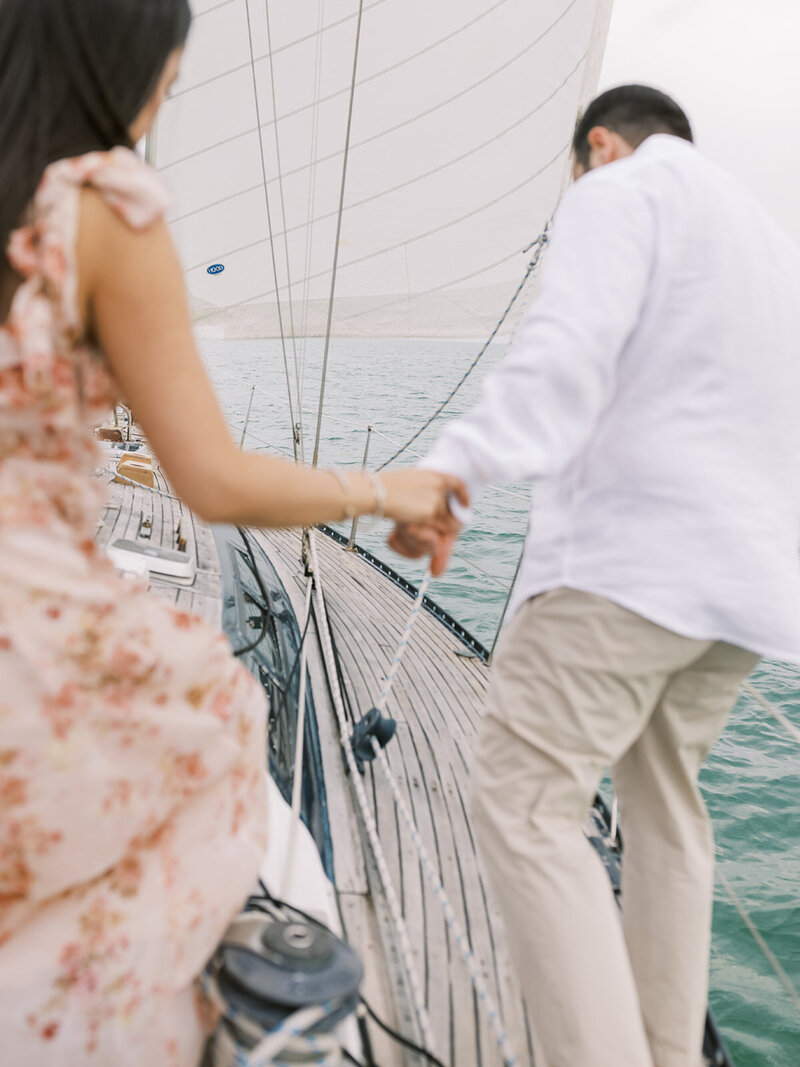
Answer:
x=776 y=713
x=769 y=955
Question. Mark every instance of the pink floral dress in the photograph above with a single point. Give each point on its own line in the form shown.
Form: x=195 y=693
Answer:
x=132 y=750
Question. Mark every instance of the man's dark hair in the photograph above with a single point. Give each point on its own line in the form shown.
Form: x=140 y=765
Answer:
x=634 y=112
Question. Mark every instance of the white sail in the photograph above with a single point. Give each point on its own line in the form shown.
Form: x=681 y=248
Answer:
x=462 y=117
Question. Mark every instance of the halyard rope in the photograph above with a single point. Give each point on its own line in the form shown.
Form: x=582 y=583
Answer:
x=462 y=941
x=401 y=648
x=367 y=817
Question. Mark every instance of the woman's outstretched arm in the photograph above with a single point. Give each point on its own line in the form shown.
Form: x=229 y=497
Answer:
x=134 y=302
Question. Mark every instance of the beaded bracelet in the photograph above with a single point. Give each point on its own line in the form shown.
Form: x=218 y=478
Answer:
x=346 y=487
x=381 y=496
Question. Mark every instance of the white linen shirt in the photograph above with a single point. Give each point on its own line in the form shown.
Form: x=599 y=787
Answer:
x=653 y=395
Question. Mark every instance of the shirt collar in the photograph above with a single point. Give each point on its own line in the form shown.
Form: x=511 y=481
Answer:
x=663 y=144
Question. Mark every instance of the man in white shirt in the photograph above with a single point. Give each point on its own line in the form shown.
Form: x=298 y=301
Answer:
x=652 y=396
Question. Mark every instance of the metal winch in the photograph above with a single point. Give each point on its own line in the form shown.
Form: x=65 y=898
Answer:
x=282 y=982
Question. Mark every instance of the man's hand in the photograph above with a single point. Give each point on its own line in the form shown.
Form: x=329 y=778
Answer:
x=415 y=540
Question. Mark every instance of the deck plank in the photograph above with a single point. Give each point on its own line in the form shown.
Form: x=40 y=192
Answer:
x=436 y=700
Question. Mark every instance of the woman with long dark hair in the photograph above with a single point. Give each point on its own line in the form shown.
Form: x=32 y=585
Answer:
x=132 y=786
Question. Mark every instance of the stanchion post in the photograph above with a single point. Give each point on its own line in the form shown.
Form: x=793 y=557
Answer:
x=351 y=543
x=247 y=418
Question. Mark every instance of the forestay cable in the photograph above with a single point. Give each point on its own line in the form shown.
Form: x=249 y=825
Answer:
x=285 y=232
x=269 y=225
x=338 y=231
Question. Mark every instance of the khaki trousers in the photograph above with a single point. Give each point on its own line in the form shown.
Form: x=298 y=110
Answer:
x=579 y=685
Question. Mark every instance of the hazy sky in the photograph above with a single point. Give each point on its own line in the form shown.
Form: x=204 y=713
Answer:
x=734 y=65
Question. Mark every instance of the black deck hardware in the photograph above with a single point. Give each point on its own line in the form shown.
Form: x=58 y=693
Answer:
x=373 y=724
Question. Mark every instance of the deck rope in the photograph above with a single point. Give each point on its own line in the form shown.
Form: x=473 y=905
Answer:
x=451 y=919
x=485 y=997
x=401 y=648
x=368 y=820
x=290 y=1036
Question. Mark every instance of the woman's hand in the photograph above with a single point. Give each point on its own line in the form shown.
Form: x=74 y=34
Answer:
x=421 y=497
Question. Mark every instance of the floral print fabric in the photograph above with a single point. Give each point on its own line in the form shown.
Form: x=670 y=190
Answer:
x=132 y=786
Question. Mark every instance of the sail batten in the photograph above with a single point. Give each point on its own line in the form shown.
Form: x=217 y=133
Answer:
x=462 y=117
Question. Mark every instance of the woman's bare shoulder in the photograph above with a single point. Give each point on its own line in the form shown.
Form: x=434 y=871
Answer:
x=109 y=247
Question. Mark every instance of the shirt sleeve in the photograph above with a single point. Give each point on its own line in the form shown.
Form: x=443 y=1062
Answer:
x=540 y=406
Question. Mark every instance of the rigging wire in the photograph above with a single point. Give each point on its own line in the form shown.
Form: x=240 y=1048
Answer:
x=410 y=181
x=371 y=77
x=285 y=231
x=367 y=818
x=283 y=48
x=776 y=713
x=414 y=118
x=485 y=206
x=769 y=955
x=337 y=240
x=539 y=246
x=311 y=200
x=269 y=224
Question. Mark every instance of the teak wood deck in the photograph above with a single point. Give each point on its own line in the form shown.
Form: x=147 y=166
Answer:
x=437 y=702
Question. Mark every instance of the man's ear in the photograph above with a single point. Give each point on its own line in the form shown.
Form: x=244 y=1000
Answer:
x=601 y=145
x=605 y=146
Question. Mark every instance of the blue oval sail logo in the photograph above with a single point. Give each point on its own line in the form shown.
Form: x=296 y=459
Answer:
x=218 y=268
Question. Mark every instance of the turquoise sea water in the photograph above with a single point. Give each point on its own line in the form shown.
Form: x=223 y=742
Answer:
x=752 y=780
